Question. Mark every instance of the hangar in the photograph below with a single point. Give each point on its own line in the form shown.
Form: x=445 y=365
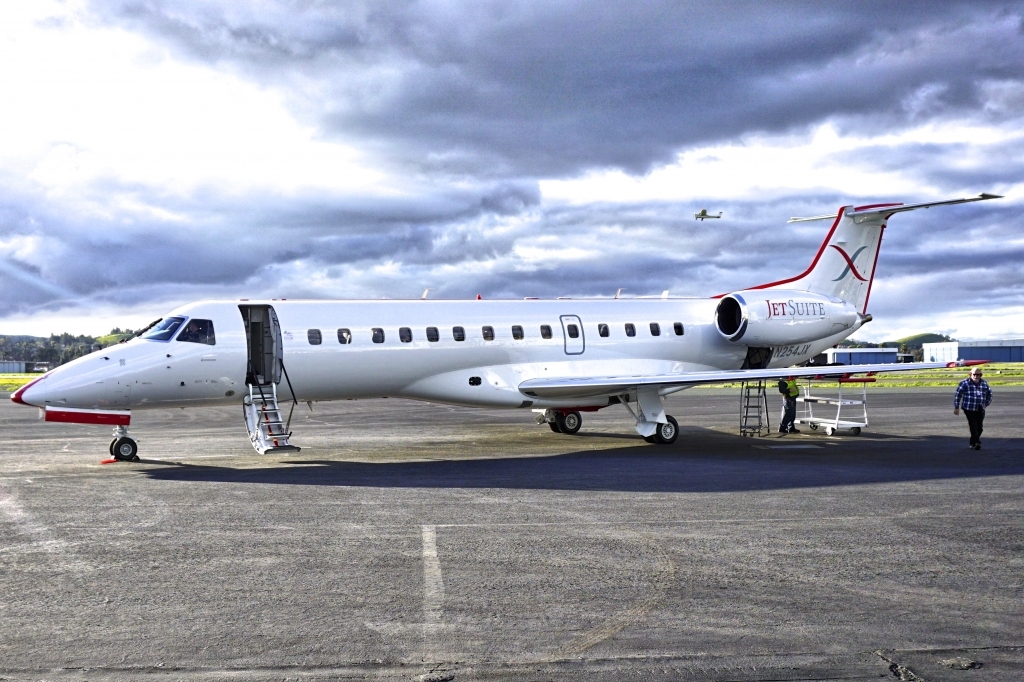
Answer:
x=861 y=356
x=997 y=350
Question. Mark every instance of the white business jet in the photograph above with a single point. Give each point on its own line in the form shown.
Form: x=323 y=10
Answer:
x=557 y=357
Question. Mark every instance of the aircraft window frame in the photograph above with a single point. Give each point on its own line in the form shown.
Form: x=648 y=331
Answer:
x=545 y=331
x=344 y=336
x=459 y=333
x=678 y=328
x=405 y=334
x=602 y=330
x=165 y=330
x=488 y=332
x=517 y=332
x=655 y=329
x=205 y=336
x=572 y=330
x=377 y=335
x=314 y=336
x=630 y=329
x=433 y=335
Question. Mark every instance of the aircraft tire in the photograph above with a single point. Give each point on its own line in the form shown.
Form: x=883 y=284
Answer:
x=554 y=427
x=651 y=439
x=569 y=422
x=126 y=450
x=667 y=433
x=111 y=447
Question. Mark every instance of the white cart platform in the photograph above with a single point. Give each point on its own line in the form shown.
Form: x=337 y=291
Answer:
x=851 y=410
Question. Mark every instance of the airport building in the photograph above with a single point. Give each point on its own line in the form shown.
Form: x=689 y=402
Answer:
x=13 y=366
x=999 y=350
x=861 y=356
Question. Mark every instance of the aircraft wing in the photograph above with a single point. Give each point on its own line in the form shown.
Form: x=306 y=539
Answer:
x=588 y=387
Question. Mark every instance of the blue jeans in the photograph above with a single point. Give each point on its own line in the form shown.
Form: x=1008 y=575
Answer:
x=788 y=413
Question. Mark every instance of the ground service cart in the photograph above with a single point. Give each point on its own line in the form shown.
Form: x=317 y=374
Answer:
x=851 y=406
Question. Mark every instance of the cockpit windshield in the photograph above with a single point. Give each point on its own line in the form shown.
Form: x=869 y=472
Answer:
x=198 y=331
x=165 y=330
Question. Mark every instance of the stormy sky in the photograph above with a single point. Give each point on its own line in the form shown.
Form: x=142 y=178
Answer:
x=153 y=153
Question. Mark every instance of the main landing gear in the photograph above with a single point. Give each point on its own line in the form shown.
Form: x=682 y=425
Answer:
x=665 y=434
x=570 y=421
x=123 y=448
x=567 y=422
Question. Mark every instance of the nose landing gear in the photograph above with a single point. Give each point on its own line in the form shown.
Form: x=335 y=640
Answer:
x=123 y=448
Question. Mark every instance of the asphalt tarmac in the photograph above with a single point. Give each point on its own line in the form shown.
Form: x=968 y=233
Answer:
x=412 y=541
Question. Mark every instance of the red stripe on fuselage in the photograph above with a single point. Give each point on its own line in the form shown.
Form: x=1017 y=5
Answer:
x=817 y=257
x=878 y=250
x=101 y=418
x=864 y=208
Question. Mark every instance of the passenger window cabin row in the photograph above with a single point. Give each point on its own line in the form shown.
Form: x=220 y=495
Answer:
x=315 y=337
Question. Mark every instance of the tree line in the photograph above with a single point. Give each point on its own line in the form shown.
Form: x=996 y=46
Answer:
x=56 y=349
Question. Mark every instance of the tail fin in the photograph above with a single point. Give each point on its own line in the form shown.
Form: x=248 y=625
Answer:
x=844 y=266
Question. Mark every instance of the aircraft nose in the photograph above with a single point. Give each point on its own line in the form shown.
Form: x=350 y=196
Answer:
x=31 y=393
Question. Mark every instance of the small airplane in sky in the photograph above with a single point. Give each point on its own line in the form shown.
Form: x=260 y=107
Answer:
x=559 y=358
x=704 y=215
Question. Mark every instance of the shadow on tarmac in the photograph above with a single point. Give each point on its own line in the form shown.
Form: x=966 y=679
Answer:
x=710 y=463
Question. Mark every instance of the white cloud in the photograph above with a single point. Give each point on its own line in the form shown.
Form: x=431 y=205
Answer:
x=87 y=104
x=769 y=166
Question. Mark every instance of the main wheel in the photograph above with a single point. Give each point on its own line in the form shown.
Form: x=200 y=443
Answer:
x=554 y=427
x=667 y=433
x=814 y=427
x=651 y=439
x=126 y=450
x=111 y=448
x=855 y=431
x=569 y=422
x=829 y=430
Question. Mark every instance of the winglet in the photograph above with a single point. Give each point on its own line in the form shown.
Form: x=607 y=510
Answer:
x=967 y=363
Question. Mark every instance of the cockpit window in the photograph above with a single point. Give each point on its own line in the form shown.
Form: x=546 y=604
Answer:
x=198 y=331
x=164 y=330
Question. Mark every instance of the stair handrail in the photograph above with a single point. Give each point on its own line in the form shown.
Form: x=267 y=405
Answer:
x=295 y=401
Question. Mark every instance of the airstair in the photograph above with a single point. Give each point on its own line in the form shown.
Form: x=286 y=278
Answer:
x=754 y=409
x=268 y=431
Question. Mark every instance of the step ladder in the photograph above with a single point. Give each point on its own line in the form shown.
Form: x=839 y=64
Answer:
x=754 y=409
x=268 y=432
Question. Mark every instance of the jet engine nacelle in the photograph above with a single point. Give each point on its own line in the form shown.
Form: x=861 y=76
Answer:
x=776 y=317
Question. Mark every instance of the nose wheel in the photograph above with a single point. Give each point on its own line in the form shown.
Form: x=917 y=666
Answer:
x=122 y=448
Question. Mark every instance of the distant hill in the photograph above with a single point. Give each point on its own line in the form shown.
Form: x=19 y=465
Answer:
x=908 y=344
x=111 y=339
x=914 y=342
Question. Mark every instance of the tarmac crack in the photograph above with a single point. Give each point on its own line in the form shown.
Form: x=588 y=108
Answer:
x=900 y=672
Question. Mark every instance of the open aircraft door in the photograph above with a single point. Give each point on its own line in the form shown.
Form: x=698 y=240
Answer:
x=572 y=330
x=263 y=343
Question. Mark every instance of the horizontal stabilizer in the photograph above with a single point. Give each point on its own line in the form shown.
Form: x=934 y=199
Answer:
x=889 y=209
x=589 y=387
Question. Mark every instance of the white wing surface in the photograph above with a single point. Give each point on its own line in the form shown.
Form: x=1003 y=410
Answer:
x=588 y=387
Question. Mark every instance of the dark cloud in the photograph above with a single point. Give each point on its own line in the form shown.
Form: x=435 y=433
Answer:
x=469 y=104
x=550 y=88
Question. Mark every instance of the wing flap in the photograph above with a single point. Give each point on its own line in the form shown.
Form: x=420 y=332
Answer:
x=589 y=387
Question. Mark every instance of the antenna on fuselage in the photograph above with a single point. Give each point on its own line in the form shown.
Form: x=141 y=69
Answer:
x=425 y=292
x=617 y=292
